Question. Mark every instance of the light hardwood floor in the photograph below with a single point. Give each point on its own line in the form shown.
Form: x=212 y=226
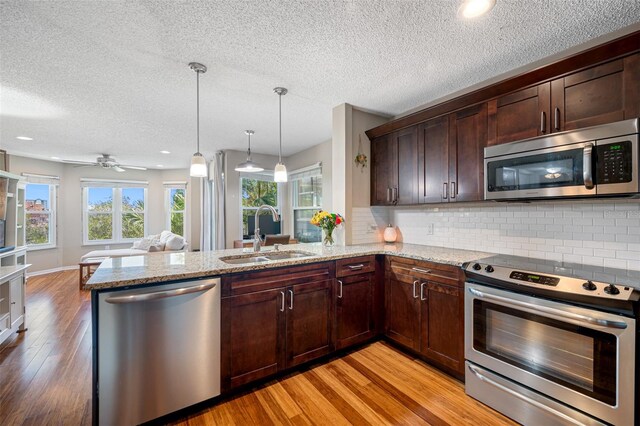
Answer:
x=45 y=378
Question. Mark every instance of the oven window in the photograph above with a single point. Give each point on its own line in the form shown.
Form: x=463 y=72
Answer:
x=576 y=357
x=553 y=169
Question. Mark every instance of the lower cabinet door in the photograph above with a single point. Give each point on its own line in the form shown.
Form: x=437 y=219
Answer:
x=442 y=325
x=402 y=310
x=354 y=309
x=253 y=327
x=308 y=321
x=16 y=292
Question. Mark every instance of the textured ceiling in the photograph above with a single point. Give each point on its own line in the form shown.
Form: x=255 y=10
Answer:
x=87 y=77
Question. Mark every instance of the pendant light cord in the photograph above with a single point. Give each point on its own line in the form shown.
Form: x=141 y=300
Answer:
x=280 y=113
x=249 y=150
x=198 y=108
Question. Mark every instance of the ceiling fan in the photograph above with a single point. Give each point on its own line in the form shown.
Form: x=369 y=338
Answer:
x=106 y=162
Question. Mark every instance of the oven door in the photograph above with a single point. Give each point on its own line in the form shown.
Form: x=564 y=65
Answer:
x=581 y=357
x=564 y=171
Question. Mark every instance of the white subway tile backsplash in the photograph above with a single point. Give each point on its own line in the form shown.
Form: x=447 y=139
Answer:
x=591 y=232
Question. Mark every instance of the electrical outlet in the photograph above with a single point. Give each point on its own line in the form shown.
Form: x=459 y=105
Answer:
x=429 y=228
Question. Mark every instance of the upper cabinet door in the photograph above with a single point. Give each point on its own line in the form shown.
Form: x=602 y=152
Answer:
x=433 y=146
x=599 y=95
x=384 y=170
x=519 y=115
x=468 y=137
x=405 y=191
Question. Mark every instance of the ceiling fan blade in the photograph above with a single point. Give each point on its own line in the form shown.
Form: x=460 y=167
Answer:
x=118 y=169
x=133 y=167
x=80 y=163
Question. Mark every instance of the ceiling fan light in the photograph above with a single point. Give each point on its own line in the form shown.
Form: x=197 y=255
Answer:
x=280 y=173
x=198 y=166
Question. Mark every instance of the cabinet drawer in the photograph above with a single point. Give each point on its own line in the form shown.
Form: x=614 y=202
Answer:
x=438 y=272
x=252 y=281
x=355 y=266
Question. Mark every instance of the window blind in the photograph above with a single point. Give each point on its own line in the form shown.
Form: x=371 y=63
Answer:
x=42 y=179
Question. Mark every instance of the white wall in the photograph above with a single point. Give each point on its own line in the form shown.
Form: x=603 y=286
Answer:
x=70 y=247
x=599 y=233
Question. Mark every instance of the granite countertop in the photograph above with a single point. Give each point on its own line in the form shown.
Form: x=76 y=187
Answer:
x=139 y=270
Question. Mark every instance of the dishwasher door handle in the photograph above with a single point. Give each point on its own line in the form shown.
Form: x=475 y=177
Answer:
x=156 y=295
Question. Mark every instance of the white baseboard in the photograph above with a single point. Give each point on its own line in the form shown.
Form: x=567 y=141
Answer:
x=51 y=271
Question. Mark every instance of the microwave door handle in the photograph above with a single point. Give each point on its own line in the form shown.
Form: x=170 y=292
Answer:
x=587 y=166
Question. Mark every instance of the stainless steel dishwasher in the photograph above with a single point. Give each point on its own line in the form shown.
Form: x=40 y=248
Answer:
x=157 y=350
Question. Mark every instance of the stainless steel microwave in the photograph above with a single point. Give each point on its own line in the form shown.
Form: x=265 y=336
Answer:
x=591 y=162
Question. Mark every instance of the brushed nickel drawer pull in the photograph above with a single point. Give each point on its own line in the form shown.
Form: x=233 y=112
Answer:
x=355 y=267
x=422 y=271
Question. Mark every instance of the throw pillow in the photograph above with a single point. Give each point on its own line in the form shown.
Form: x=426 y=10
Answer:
x=165 y=235
x=175 y=242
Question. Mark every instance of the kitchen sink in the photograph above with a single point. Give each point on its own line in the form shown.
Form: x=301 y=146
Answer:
x=265 y=257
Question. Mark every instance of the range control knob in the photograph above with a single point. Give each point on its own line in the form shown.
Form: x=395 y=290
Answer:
x=489 y=268
x=477 y=266
x=589 y=285
x=611 y=289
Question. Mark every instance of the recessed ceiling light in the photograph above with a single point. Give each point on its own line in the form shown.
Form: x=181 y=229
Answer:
x=24 y=138
x=165 y=152
x=474 y=8
x=55 y=158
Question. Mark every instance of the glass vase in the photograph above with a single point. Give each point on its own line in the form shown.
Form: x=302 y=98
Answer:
x=327 y=237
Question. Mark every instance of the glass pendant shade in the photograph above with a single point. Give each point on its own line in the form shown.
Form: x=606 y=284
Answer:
x=198 y=166
x=280 y=173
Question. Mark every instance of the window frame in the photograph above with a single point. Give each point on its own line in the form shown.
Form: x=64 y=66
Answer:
x=294 y=201
x=169 y=211
x=53 y=221
x=278 y=207
x=116 y=214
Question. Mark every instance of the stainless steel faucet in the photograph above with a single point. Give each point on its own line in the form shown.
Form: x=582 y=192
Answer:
x=257 y=241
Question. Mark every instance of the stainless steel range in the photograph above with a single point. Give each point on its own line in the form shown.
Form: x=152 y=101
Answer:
x=545 y=346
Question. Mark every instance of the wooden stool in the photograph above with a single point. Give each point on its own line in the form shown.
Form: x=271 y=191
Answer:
x=86 y=269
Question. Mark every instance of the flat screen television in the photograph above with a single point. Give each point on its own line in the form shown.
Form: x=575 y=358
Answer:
x=266 y=223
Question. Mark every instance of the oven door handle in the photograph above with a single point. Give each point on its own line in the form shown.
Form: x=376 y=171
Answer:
x=522 y=397
x=550 y=311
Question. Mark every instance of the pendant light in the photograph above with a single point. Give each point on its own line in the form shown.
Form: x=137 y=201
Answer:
x=280 y=172
x=198 y=163
x=249 y=166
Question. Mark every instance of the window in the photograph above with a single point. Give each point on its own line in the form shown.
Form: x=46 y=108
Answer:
x=307 y=199
x=175 y=206
x=40 y=219
x=113 y=212
x=256 y=192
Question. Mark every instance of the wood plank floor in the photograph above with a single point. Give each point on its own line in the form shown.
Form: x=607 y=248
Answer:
x=45 y=378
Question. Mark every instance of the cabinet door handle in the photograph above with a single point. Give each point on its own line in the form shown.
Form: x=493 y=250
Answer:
x=340 y=288
x=453 y=190
x=422 y=297
x=556 y=118
x=415 y=288
x=445 y=190
x=394 y=192
x=283 y=297
x=543 y=122
x=291 y=300
x=388 y=195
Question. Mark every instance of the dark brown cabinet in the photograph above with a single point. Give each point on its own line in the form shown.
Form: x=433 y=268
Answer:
x=424 y=311
x=468 y=137
x=598 y=95
x=395 y=172
x=355 y=296
x=275 y=319
x=433 y=145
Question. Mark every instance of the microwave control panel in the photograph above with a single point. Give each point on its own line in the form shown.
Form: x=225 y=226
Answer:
x=614 y=162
